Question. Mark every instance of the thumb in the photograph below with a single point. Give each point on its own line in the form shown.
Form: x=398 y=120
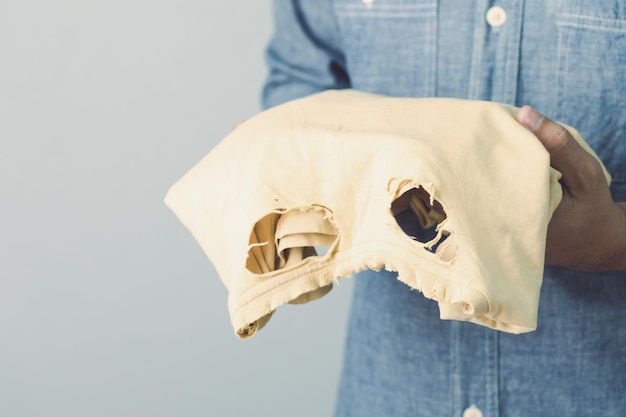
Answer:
x=566 y=155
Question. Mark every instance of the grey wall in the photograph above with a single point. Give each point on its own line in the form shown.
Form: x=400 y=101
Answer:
x=107 y=305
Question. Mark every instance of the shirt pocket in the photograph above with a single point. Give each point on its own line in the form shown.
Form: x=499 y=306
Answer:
x=591 y=96
x=389 y=46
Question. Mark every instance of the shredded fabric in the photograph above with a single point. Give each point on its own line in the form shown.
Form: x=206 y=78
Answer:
x=333 y=170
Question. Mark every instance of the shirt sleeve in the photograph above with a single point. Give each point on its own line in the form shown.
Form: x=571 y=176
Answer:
x=304 y=55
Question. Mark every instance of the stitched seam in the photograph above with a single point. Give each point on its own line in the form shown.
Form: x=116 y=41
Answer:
x=592 y=23
x=393 y=7
x=325 y=265
x=386 y=11
x=365 y=14
x=593 y=18
x=592 y=27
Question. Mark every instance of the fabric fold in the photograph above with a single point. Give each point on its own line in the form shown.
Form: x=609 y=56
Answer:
x=346 y=164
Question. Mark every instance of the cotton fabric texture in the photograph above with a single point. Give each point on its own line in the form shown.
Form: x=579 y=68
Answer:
x=331 y=169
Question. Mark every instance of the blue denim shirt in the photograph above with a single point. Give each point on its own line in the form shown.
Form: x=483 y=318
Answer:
x=568 y=60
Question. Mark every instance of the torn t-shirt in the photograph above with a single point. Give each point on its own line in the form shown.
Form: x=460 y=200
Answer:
x=335 y=170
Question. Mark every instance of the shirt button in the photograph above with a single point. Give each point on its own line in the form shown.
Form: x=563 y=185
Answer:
x=496 y=16
x=472 y=411
x=368 y=2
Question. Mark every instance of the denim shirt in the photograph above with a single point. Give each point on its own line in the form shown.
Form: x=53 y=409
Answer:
x=567 y=58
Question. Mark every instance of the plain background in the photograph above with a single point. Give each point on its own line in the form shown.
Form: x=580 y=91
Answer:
x=107 y=305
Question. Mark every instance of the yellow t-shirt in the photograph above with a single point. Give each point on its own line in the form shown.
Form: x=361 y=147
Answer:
x=334 y=169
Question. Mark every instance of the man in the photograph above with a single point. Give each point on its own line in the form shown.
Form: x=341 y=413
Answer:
x=567 y=60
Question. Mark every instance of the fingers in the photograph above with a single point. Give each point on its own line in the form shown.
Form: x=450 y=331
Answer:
x=566 y=155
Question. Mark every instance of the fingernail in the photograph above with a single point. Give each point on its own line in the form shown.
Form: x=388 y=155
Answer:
x=532 y=118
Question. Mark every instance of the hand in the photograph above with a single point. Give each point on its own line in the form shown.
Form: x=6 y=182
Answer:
x=588 y=229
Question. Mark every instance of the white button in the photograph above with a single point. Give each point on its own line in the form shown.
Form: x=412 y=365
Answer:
x=496 y=16
x=368 y=2
x=472 y=411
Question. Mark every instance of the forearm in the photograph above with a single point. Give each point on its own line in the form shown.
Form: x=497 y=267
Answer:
x=600 y=246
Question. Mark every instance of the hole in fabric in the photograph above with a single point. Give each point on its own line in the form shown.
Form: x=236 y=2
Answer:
x=321 y=250
x=421 y=221
x=281 y=240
